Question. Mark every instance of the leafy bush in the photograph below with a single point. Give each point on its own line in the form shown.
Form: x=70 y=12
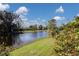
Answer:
x=67 y=43
x=4 y=51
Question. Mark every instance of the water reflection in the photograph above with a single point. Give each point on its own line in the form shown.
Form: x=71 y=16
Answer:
x=19 y=39
x=7 y=39
x=28 y=37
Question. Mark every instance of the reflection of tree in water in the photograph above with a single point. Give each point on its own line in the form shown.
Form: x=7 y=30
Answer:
x=7 y=39
x=8 y=29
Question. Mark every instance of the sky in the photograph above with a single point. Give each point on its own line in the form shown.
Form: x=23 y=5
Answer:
x=41 y=13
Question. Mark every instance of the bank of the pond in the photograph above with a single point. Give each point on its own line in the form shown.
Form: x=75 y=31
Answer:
x=43 y=46
x=33 y=31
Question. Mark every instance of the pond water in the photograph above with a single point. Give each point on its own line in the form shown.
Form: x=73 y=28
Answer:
x=28 y=37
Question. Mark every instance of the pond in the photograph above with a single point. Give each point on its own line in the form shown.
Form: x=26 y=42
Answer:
x=28 y=37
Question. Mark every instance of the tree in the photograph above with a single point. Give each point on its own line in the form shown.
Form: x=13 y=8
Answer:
x=7 y=28
x=33 y=27
x=52 y=27
x=41 y=27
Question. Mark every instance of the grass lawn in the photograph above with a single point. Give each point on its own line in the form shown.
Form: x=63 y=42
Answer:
x=41 y=47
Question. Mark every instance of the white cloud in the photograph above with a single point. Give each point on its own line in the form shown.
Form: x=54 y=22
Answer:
x=23 y=17
x=59 y=18
x=4 y=7
x=22 y=10
x=77 y=15
x=60 y=10
x=38 y=18
x=26 y=23
x=42 y=20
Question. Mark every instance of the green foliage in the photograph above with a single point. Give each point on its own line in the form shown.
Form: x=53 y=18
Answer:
x=77 y=19
x=7 y=27
x=52 y=28
x=7 y=30
x=33 y=27
x=4 y=51
x=67 y=43
x=67 y=40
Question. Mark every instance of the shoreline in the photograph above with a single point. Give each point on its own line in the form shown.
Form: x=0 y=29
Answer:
x=34 y=31
x=38 y=47
x=30 y=42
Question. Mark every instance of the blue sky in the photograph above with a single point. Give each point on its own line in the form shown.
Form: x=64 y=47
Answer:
x=41 y=13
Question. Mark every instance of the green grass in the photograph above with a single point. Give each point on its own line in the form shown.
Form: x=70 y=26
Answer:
x=42 y=47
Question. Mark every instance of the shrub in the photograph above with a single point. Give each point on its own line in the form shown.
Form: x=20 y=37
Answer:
x=67 y=43
x=4 y=50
